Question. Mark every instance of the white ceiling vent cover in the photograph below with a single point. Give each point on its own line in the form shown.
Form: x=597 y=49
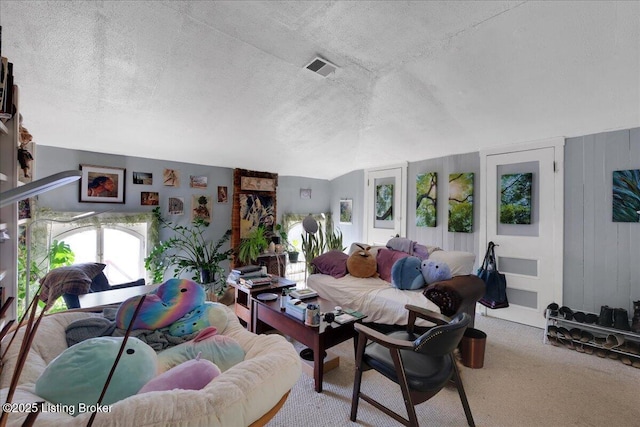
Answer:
x=321 y=66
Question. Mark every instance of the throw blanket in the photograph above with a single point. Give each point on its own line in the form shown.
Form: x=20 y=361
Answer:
x=409 y=246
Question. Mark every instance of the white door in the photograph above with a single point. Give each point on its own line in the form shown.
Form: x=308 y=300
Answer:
x=385 y=201
x=528 y=235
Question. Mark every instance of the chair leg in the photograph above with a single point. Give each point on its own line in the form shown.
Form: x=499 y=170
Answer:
x=357 y=381
x=463 y=395
x=404 y=386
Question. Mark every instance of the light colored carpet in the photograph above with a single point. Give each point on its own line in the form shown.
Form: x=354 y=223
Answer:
x=523 y=383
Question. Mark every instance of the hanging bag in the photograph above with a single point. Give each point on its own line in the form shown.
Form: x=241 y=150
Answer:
x=496 y=283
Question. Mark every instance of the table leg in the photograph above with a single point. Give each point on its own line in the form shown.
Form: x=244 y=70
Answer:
x=318 y=362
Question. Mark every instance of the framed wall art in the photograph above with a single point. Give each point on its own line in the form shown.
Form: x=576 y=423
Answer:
x=515 y=198
x=252 y=183
x=223 y=194
x=626 y=195
x=149 y=198
x=461 y=202
x=176 y=205
x=143 y=178
x=346 y=211
x=201 y=207
x=426 y=199
x=171 y=178
x=102 y=184
x=198 y=181
x=305 y=193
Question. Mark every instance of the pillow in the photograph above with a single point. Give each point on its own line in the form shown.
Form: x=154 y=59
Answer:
x=460 y=263
x=191 y=375
x=406 y=273
x=74 y=279
x=358 y=247
x=435 y=271
x=333 y=263
x=362 y=264
x=386 y=259
x=204 y=316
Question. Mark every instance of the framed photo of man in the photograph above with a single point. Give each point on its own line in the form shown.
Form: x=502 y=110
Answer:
x=102 y=184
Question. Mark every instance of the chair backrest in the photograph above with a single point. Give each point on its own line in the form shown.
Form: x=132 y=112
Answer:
x=443 y=339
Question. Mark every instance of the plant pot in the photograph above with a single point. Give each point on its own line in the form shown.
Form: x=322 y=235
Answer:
x=293 y=256
x=205 y=276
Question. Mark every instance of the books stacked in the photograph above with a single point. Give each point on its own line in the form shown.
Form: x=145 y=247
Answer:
x=303 y=293
x=250 y=276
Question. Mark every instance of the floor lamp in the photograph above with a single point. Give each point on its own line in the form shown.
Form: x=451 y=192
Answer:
x=310 y=226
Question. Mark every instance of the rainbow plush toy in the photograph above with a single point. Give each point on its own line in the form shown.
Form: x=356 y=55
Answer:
x=165 y=305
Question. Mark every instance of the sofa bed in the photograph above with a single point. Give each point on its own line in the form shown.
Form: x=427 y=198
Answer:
x=246 y=394
x=383 y=303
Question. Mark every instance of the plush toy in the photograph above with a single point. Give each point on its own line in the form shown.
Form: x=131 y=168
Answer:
x=435 y=271
x=163 y=306
x=208 y=314
x=406 y=273
x=79 y=373
x=191 y=375
x=362 y=263
x=222 y=350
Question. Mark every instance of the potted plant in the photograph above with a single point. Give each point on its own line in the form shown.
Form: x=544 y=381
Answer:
x=253 y=245
x=189 y=251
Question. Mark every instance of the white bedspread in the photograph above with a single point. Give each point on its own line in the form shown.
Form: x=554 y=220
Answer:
x=378 y=299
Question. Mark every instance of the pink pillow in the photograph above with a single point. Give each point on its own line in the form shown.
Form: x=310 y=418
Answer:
x=385 y=259
x=333 y=263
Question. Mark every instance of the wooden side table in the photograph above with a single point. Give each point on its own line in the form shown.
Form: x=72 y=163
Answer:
x=244 y=297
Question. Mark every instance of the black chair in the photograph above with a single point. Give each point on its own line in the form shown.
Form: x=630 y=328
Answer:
x=421 y=364
x=99 y=283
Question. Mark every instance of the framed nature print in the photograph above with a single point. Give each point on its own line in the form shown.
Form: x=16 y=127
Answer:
x=461 y=202
x=346 y=211
x=515 y=198
x=384 y=202
x=198 y=181
x=143 y=178
x=201 y=207
x=102 y=184
x=626 y=195
x=426 y=199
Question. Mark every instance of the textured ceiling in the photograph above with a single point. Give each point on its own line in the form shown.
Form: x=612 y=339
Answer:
x=224 y=84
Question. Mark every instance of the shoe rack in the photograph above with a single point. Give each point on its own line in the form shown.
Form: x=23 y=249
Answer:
x=591 y=338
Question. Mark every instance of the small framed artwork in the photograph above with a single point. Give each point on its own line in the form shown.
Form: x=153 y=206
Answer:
x=515 y=198
x=222 y=194
x=346 y=211
x=252 y=183
x=102 y=184
x=176 y=205
x=171 y=178
x=305 y=193
x=149 y=198
x=426 y=199
x=461 y=202
x=626 y=195
x=201 y=207
x=143 y=178
x=198 y=181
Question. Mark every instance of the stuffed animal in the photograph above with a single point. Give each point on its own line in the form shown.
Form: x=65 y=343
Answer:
x=79 y=373
x=406 y=273
x=362 y=263
x=208 y=314
x=191 y=375
x=435 y=271
x=163 y=306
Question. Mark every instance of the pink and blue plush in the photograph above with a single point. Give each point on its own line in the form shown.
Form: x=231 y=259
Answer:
x=435 y=271
x=167 y=304
x=406 y=273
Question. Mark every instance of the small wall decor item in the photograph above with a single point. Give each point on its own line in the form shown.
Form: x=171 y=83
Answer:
x=252 y=183
x=461 y=202
x=198 y=181
x=255 y=210
x=346 y=211
x=201 y=207
x=176 y=206
x=305 y=193
x=223 y=194
x=626 y=195
x=515 y=198
x=149 y=198
x=102 y=184
x=426 y=199
x=171 y=178
x=384 y=202
x=143 y=178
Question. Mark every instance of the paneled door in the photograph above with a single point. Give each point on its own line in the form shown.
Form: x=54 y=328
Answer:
x=385 y=202
x=524 y=218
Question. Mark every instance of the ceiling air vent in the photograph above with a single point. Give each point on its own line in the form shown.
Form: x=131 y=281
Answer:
x=321 y=66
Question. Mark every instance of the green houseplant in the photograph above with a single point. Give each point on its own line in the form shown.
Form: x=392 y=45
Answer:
x=189 y=251
x=253 y=245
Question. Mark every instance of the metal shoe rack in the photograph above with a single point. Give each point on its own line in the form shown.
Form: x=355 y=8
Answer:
x=599 y=340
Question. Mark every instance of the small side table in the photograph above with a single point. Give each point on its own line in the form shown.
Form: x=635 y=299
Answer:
x=244 y=297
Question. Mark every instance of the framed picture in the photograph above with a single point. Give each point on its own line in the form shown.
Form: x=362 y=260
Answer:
x=305 y=193
x=384 y=202
x=346 y=211
x=626 y=195
x=171 y=178
x=515 y=198
x=149 y=198
x=252 y=183
x=223 y=194
x=198 y=181
x=201 y=207
x=176 y=205
x=461 y=202
x=426 y=199
x=102 y=184
x=143 y=178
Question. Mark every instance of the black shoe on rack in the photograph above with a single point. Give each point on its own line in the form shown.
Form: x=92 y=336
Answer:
x=566 y=312
x=621 y=319
x=606 y=316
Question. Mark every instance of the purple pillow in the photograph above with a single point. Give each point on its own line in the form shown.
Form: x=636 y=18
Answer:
x=333 y=263
x=385 y=259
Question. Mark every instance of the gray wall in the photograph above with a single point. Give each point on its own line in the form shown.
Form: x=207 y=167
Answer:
x=289 y=200
x=349 y=186
x=601 y=257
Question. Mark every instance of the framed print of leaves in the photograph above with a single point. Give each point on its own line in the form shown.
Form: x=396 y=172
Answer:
x=426 y=199
x=461 y=202
x=626 y=195
x=515 y=198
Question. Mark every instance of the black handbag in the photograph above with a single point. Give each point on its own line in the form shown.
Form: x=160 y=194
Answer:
x=496 y=283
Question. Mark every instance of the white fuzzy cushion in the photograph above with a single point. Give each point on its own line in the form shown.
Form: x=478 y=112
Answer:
x=460 y=263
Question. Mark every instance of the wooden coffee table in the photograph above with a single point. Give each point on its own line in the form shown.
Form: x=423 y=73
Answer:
x=318 y=338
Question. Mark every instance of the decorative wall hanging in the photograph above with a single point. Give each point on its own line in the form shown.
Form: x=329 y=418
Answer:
x=198 y=181
x=384 y=202
x=515 y=198
x=250 y=183
x=346 y=211
x=201 y=207
x=461 y=202
x=626 y=195
x=149 y=198
x=171 y=178
x=176 y=205
x=102 y=184
x=305 y=193
x=255 y=210
x=426 y=199
x=223 y=194
x=143 y=178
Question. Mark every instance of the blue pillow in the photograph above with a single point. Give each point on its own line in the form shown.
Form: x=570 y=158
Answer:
x=406 y=273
